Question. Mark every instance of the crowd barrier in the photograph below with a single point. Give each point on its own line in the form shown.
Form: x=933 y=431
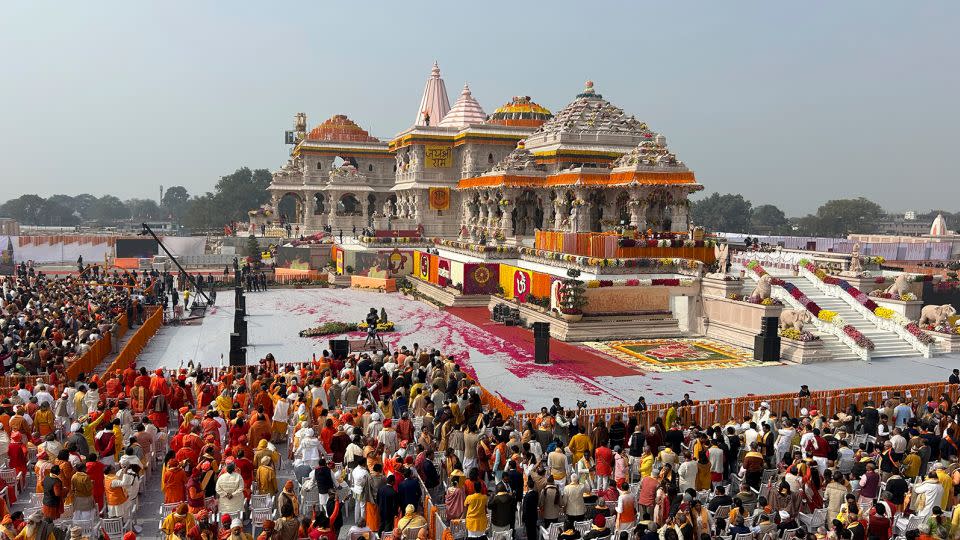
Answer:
x=720 y=411
x=128 y=354
x=92 y=358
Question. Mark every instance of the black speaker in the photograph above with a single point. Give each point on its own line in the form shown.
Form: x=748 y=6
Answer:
x=541 y=342
x=243 y=333
x=766 y=348
x=238 y=357
x=237 y=293
x=769 y=326
x=242 y=303
x=541 y=329
x=339 y=348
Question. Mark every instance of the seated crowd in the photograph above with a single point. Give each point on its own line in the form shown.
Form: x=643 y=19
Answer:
x=46 y=322
x=402 y=445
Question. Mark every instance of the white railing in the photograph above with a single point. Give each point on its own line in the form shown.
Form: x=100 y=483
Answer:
x=784 y=296
x=889 y=325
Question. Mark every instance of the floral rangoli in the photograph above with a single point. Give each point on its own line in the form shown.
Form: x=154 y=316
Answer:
x=663 y=355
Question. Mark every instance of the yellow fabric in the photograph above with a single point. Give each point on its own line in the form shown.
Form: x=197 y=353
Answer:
x=476 y=512
x=579 y=445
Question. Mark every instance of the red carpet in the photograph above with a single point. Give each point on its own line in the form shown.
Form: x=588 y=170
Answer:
x=563 y=355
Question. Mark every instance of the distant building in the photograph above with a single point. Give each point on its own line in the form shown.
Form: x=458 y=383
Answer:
x=9 y=227
x=903 y=226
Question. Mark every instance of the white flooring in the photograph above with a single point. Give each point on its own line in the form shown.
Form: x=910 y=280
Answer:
x=276 y=317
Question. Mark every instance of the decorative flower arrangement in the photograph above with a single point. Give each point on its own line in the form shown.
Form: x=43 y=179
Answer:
x=798 y=335
x=329 y=328
x=943 y=329
x=924 y=337
x=920 y=278
x=505 y=202
x=908 y=297
x=381 y=327
x=578 y=202
x=884 y=312
x=593 y=284
x=875 y=260
x=861 y=340
x=880 y=280
x=826 y=315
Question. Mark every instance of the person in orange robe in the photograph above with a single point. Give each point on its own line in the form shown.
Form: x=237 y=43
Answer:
x=142 y=379
x=174 y=483
x=129 y=375
x=113 y=387
x=139 y=398
x=260 y=429
x=158 y=384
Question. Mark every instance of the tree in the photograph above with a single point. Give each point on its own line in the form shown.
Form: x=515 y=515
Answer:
x=109 y=209
x=768 y=219
x=26 y=209
x=253 y=248
x=201 y=212
x=82 y=204
x=240 y=192
x=840 y=217
x=723 y=213
x=144 y=209
x=175 y=201
x=55 y=214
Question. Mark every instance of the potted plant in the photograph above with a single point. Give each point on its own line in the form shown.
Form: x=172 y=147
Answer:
x=572 y=297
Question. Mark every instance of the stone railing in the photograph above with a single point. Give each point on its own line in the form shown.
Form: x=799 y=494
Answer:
x=889 y=325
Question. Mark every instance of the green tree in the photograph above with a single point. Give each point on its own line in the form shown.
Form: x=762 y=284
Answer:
x=253 y=248
x=26 y=209
x=175 y=202
x=55 y=214
x=840 y=217
x=724 y=213
x=144 y=209
x=109 y=209
x=768 y=219
x=201 y=212
x=240 y=192
x=83 y=204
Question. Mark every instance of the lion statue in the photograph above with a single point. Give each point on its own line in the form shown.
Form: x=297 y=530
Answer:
x=937 y=315
x=763 y=287
x=794 y=318
x=900 y=286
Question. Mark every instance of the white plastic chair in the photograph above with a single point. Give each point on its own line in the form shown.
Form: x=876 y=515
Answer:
x=114 y=527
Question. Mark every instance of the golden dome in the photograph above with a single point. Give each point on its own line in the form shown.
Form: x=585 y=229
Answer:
x=340 y=128
x=520 y=112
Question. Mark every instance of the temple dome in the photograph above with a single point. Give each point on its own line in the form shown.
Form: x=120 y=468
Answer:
x=590 y=113
x=340 y=128
x=465 y=111
x=521 y=111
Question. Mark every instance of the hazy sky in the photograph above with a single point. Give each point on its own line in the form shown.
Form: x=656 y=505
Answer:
x=789 y=103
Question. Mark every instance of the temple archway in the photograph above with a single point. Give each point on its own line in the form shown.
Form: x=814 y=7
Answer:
x=290 y=207
x=525 y=214
x=349 y=205
x=319 y=204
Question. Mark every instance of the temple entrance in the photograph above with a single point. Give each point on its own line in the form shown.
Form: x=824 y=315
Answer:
x=349 y=205
x=290 y=208
x=319 y=206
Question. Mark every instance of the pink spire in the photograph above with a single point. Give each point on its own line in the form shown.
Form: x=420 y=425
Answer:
x=435 y=104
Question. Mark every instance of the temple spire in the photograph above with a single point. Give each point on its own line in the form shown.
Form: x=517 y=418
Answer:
x=435 y=104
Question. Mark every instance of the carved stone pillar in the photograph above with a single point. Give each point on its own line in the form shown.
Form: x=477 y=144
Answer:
x=309 y=217
x=506 y=219
x=482 y=214
x=680 y=218
x=493 y=221
x=332 y=211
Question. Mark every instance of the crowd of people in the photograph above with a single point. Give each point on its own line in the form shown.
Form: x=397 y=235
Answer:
x=361 y=446
x=48 y=321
